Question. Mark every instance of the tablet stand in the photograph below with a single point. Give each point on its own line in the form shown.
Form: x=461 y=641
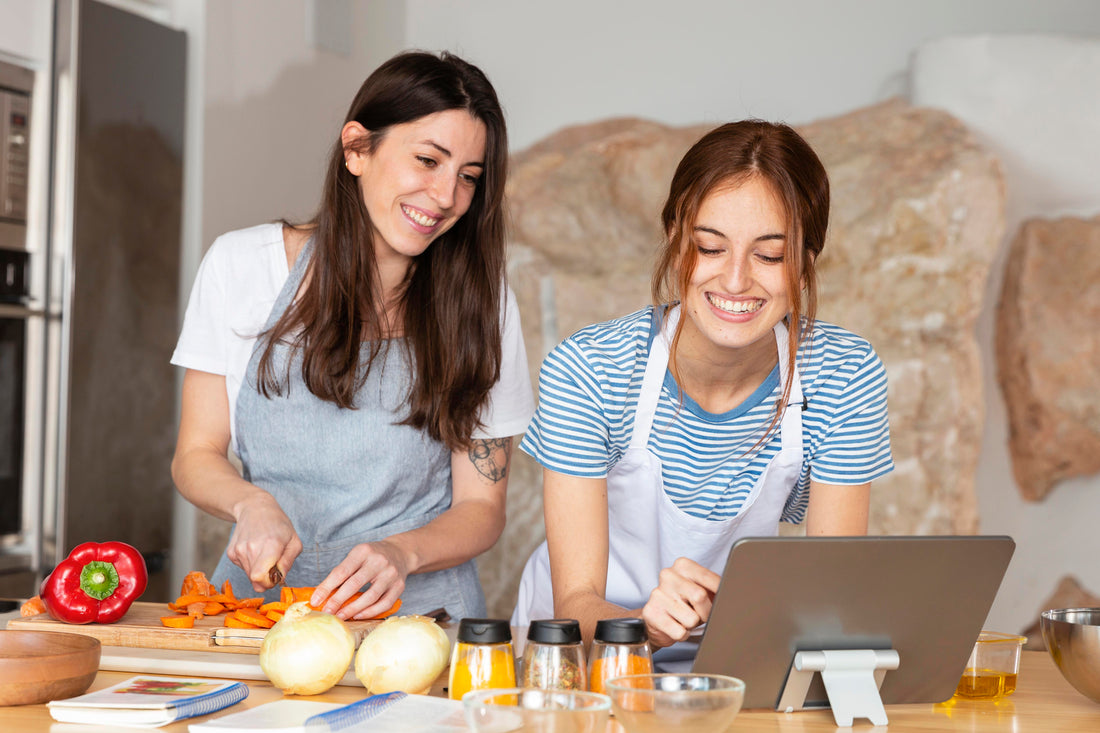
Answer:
x=852 y=679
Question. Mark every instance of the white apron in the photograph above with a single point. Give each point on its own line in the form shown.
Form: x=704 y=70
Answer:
x=646 y=531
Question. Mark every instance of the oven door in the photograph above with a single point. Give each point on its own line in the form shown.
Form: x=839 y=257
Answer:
x=13 y=352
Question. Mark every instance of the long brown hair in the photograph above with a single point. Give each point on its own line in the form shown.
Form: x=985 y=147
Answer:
x=450 y=300
x=729 y=155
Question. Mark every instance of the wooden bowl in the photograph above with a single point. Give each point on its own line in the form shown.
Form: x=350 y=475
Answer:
x=39 y=666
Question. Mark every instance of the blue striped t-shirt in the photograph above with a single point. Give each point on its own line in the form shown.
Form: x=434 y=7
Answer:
x=588 y=393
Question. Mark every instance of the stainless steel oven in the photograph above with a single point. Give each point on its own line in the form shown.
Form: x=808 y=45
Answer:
x=13 y=353
x=16 y=84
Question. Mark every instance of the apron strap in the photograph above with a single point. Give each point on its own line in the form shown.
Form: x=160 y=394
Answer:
x=791 y=420
x=290 y=286
x=655 y=369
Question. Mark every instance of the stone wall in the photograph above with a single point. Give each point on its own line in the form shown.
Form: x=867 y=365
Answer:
x=1048 y=352
x=916 y=222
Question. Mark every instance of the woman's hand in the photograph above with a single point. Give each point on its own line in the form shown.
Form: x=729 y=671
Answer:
x=680 y=602
x=263 y=538
x=382 y=565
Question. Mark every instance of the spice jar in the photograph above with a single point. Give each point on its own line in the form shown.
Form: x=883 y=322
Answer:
x=554 y=656
x=482 y=658
x=620 y=647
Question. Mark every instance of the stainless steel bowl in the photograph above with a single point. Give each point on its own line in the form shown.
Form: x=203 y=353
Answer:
x=1072 y=636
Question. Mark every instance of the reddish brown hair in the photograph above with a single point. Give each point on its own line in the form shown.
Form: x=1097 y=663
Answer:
x=729 y=155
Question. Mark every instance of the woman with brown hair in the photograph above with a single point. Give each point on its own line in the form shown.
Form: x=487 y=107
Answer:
x=667 y=434
x=367 y=367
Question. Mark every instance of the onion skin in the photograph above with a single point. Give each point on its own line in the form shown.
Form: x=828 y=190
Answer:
x=306 y=652
x=405 y=653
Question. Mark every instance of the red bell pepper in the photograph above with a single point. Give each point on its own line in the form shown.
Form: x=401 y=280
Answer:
x=97 y=582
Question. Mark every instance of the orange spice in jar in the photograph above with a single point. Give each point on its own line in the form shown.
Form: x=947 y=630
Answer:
x=620 y=647
x=482 y=658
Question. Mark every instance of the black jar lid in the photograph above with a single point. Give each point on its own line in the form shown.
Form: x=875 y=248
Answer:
x=484 y=631
x=555 y=631
x=621 y=630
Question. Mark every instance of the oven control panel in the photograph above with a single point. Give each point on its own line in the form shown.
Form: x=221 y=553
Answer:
x=15 y=109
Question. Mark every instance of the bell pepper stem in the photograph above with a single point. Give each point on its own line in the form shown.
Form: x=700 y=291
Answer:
x=99 y=579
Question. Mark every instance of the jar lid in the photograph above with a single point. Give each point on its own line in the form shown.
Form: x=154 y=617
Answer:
x=555 y=631
x=621 y=630
x=484 y=631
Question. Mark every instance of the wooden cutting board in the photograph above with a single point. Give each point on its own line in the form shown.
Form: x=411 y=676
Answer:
x=141 y=627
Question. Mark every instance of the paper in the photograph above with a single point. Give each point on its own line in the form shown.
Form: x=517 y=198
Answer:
x=404 y=713
x=285 y=716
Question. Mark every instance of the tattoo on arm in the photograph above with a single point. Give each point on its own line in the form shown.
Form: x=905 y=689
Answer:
x=490 y=457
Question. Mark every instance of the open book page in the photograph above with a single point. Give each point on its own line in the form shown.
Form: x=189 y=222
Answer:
x=397 y=712
x=285 y=716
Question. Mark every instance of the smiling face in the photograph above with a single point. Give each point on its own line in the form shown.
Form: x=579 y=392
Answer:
x=738 y=290
x=418 y=181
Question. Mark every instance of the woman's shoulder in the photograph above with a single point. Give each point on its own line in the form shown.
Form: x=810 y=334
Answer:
x=842 y=359
x=614 y=339
x=832 y=342
x=244 y=247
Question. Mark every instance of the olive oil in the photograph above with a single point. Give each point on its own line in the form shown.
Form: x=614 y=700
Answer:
x=985 y=684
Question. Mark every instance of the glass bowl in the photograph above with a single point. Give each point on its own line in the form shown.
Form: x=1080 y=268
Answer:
x=668 y=703
x=536 y=710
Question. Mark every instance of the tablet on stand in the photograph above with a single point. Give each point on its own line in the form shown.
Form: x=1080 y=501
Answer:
x=851 y=623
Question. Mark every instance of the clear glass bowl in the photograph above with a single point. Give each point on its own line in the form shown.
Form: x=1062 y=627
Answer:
x=534 y=709
x=671 y=703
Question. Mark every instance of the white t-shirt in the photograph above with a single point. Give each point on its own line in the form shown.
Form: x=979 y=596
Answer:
x=235 y=288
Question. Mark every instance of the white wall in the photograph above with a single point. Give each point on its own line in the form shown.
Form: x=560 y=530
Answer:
x=25 y=28
x=574 y=61
x=275 y=101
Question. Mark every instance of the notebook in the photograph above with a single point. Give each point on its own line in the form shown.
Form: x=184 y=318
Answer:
x=925 y=597
x=149 y=701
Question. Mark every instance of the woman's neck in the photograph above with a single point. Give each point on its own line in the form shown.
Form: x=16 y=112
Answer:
x=721 y=379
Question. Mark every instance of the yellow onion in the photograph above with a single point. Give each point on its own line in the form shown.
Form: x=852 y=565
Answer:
x=405 y=653
x=307 y=651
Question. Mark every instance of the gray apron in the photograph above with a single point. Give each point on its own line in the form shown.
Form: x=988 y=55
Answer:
x=346 y=476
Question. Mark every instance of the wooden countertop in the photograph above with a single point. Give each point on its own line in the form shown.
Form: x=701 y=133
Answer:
x=1043 y=701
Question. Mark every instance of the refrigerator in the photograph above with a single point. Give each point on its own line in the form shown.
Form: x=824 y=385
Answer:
x=109 y=270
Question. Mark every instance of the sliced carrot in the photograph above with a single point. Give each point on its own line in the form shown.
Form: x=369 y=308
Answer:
x=178 y=622
x=249 y=602
x=187 y=600
x=195 y=583
x=227 y=590
x=196 y=609
x=212 y=608
x=286 y=595
x=275 y=616
x=235 y=623
x=274 y=606
x=32 y=607
x=253 y=617
x=303 y=594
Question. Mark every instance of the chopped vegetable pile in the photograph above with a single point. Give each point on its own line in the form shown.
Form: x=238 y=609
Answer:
x=199 y=598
